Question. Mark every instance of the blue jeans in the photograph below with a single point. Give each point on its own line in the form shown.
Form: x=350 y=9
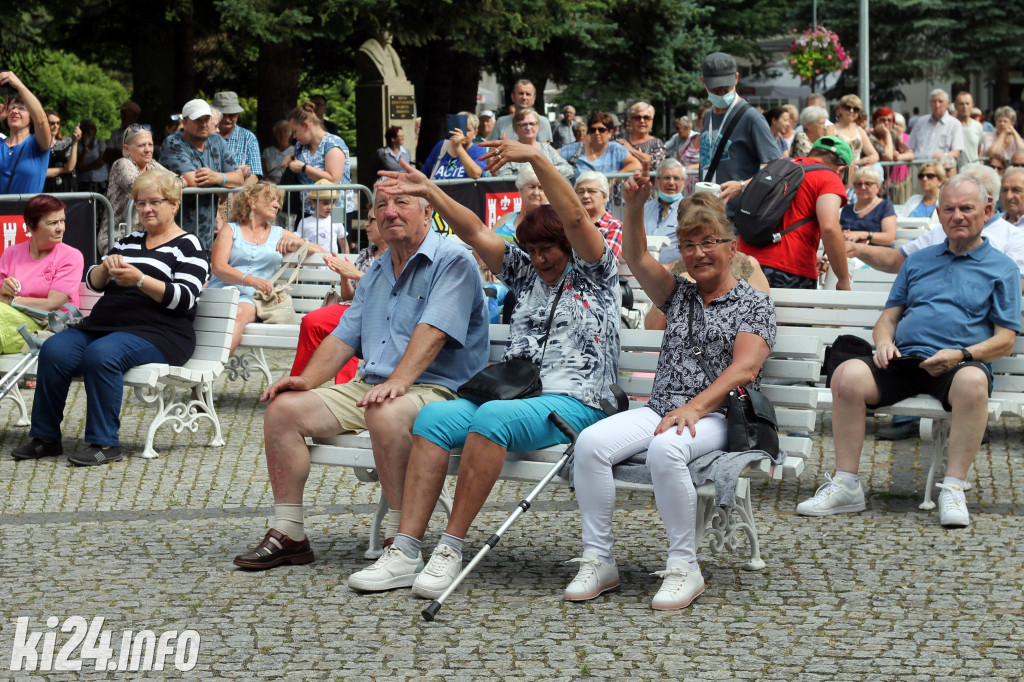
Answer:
x=102 y=360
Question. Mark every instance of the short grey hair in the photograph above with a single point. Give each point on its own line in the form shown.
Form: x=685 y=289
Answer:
x=870 y=172
x=1010 y=170
x=812 y=114
x=1006 y=112
x=376 y=193
x=939 y=91
x=593 y=176
x=668 y=164
x=525 y=176
x=983 y=197
x=988 y=177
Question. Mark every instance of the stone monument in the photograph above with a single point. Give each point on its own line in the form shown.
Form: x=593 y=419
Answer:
x=384 y=98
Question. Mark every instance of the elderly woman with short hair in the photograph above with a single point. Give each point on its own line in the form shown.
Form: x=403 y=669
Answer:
x=592 y=189
x=532 y=195
x=813 y=120
x=151 y=281
x=870 y=219
x=250 y=248
x=1007 y=139
x=639 y=141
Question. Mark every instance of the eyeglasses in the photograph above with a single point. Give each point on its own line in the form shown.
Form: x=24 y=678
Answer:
x=707 y=246
x=156 y=203
x=17 y=107
x=926 y=176
x=595 y=129
x=850 y=107
x=884 y=119
x=584 y=191
x=642 y=118
x=864 y=185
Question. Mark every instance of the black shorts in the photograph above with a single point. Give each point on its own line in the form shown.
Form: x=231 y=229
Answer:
x=780 y=279
x=895 y=385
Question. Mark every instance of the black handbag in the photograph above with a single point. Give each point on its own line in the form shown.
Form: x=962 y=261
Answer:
x=750 y=417
x=512 y=379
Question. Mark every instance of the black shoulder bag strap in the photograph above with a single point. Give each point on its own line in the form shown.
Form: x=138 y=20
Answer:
x=813 y=216
x=15 y=168
x=551 y=316
x=723 y=139
x=695 y=348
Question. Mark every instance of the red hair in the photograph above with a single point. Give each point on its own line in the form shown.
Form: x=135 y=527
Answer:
x=543 y=226
x=39 y=206
x=883 y=111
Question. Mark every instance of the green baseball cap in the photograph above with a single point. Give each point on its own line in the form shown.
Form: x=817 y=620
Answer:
x=837 y=145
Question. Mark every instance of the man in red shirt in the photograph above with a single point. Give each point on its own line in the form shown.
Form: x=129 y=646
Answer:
x=793 y=262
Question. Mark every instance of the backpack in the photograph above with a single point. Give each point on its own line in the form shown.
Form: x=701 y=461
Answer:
x=767 y=197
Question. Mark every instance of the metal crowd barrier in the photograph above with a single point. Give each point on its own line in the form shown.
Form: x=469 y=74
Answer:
x=287 y=219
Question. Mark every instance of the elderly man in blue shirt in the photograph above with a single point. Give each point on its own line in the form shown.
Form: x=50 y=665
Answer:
x=975 y=291
x=661 y=212
x=419 y=323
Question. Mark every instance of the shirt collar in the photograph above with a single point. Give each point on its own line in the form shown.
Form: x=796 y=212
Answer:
x=977 y=253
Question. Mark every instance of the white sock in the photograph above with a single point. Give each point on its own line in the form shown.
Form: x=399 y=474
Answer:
x=959 y=483
x=851 y=481
x=391 y=522
x=288 y=520
x=452 y=541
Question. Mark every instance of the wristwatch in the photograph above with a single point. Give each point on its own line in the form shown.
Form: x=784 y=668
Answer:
x=967 y=355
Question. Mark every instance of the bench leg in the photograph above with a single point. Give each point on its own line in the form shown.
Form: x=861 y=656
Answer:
x=934 y=434
x=245 y=361
x=19 y=401
x=726 y=526
x=375 y=546
x=181 y=415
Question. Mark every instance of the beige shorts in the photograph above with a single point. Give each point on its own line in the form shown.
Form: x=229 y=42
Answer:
x=341 y=400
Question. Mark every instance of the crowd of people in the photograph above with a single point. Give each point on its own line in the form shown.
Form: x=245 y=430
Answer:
x=412 y=326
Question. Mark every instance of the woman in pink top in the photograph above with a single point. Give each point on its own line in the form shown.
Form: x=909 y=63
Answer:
x=43 y=273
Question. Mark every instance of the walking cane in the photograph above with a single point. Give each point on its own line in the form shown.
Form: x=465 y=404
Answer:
x=524 y=504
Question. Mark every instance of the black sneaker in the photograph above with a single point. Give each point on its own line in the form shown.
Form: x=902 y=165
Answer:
x=95 y=455
x=37 y=449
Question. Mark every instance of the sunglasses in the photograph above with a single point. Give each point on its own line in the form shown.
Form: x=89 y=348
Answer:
x=595 y=129
x=864 y=185
x=136 y=127
x=926 y=176
x=850 y=107
x=642 y=118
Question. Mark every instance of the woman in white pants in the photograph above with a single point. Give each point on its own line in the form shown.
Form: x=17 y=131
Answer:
x=734 y=326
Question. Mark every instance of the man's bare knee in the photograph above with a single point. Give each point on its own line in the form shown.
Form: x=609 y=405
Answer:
x=853 y=382
x=969 y=387
x=299 y=412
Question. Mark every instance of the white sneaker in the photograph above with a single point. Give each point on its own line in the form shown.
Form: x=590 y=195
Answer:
x=833 y=498
x=442 y=569
x=594 y=578
x=679 y=587
x=393 y=569
x=953 y=506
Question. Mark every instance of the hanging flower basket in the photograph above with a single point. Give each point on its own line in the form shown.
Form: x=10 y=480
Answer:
x=816 y=52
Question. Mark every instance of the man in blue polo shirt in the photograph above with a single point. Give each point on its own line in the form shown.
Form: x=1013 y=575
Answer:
x=419 y=323
x=975 y=291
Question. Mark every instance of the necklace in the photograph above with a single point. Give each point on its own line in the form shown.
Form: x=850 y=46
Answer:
x=256 y=238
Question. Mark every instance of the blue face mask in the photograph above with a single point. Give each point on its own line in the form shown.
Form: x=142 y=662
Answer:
x=722 y=101
x=669 y=198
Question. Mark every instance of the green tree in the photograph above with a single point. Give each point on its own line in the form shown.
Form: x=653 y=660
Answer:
x=76 y=90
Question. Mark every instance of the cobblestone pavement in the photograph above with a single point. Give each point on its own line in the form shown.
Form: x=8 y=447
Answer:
x=882 y=595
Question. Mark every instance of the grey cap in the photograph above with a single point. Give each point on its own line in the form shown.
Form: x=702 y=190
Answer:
x=719 y=70
x=227 y=103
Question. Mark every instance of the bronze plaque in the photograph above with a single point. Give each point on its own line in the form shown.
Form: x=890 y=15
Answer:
x=401 y=107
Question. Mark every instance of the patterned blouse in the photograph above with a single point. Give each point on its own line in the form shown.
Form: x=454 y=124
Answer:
x=582 y=355
x=679 y=377
x=317 y=159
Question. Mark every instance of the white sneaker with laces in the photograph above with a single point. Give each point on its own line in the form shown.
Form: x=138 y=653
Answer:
x=833 y=498
x=953 y=506
x=679 y=587
x=594 y=577
x=442 y=569
x=393 y=569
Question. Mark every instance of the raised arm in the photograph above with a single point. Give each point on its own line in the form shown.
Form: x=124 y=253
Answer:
x=584 y=237
x=464 y=223
x=652 y=276
x=35 y=110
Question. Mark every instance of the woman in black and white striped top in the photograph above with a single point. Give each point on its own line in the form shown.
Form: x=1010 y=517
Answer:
x=151 y=281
